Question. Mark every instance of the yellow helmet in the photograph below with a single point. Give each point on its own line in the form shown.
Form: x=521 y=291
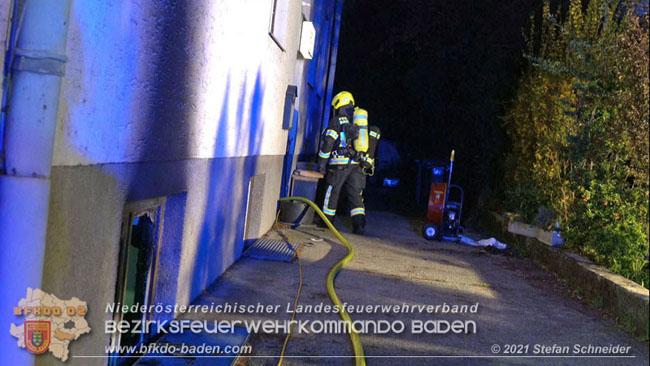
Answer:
x=341 y=99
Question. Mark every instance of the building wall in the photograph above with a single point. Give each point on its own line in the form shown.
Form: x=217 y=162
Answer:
x=152 y=80
x=315 y=111
x=5 y=13
x=169 y=99
x=315 y=90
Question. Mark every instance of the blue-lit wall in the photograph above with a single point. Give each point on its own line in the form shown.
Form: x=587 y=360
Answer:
x=319 y=76
x=176 y=99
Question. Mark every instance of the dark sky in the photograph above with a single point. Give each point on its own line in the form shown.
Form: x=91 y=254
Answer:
x=435 y=75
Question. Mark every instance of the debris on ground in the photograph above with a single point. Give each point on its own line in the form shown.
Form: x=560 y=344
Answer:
x=491 y=242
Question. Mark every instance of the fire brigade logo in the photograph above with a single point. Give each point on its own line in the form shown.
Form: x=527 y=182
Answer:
x=37 y=336
x=50 y=324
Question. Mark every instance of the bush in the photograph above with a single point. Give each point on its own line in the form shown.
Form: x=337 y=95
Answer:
x=579 y=131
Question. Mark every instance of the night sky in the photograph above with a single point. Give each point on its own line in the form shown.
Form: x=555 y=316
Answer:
x=437 y=75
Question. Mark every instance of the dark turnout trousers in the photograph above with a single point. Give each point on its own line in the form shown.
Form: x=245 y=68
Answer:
x=349 y=180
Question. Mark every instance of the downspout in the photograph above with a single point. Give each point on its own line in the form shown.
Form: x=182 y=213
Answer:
x=29 y=138
x=12 y=22
x=334 y=48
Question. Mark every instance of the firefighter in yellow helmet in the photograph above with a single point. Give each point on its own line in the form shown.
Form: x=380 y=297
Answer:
x=344 y=149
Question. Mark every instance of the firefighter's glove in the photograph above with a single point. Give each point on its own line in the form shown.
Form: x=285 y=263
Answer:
x=368 y=166
x=367 y=162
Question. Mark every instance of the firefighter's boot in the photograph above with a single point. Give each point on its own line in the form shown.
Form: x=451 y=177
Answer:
x=321 y=222
x=359 y=224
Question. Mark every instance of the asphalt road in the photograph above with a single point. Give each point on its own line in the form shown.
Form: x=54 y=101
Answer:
x=519 y=307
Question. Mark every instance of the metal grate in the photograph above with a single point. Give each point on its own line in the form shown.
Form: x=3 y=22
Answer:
x=272 y=250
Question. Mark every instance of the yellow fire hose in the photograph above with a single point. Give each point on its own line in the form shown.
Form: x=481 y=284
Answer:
x=360 y=359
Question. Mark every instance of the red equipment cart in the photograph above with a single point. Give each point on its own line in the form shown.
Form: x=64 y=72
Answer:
x=445 y=206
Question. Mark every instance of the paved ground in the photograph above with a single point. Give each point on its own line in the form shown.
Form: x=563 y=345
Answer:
x=518 y=302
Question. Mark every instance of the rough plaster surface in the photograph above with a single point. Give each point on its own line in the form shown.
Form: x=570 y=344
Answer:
x=170 y=249
x=162 y=98
x=168 y=80
x=86 y=208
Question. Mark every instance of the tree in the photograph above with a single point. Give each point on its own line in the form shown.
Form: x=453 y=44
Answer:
x=579 y=131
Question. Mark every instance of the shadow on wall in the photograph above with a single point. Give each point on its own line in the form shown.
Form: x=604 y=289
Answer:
x=221 y=240
x=143 y=110
x=162 y=139
x=290 y=155
x=220 y=185
x=317 y=78
x=312 y=126
x=124 y=95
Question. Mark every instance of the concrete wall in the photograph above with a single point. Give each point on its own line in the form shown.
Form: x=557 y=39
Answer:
x=315 y=107
x=626 y=301
x=164 y=80
x=171 y=99
x=314 y=91
x=85 y=220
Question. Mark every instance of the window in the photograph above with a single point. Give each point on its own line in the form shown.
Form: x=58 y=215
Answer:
x=278 y=23
x=138 y=264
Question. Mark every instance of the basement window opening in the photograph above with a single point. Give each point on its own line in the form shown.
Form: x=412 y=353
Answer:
x=138 y=262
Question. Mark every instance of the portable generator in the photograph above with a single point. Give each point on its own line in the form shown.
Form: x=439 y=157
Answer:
x=445 y=204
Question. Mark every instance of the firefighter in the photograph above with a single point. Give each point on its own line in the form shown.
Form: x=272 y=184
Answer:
x=344 y=149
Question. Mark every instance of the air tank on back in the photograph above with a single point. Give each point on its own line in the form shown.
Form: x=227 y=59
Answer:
x=360 y=119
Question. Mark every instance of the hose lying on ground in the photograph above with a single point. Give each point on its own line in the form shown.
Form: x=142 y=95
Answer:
x=295 y=306
x=360 y=359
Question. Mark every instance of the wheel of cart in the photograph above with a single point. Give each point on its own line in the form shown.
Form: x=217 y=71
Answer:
x=431 y=232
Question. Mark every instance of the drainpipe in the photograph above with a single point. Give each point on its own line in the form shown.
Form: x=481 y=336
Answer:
x=29 y=137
